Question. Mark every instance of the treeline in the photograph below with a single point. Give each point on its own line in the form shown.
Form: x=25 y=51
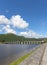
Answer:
x=12 y=37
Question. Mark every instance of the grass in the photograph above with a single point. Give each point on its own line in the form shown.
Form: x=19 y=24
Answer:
x=17 y=62
x=21 y=59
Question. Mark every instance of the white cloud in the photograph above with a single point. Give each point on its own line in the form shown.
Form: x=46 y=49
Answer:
x=15 y=21
x=8 y=29
x=4 y=20
x=30 y=34
x=18 y=22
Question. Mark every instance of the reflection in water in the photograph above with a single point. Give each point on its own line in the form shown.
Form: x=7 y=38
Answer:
x=9 y=52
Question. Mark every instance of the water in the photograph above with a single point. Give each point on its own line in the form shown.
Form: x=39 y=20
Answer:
x=10 y=52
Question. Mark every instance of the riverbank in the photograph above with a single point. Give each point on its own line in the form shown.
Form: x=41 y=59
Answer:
x=44 y=59
x=22 y=60
x=11 y=52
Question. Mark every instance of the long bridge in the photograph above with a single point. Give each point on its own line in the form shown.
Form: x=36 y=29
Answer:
x=24 y=42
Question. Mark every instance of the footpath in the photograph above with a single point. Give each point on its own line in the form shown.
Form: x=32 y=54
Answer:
x=36 y=57
x=44 y=59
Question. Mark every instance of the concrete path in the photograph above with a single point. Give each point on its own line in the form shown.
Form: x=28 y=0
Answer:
x=44 y=59
x=35 y=58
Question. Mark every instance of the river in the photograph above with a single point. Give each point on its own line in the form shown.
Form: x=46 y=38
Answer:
x=10 y=52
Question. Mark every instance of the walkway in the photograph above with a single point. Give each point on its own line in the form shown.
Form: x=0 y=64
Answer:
x=44 y=59
x=35 y=58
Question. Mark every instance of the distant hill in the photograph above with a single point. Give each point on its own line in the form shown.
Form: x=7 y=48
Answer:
x=13 y=37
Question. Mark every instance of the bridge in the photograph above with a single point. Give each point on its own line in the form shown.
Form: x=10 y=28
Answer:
x=24 y=42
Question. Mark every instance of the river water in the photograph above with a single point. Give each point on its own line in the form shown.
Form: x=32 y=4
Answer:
x=10 y=52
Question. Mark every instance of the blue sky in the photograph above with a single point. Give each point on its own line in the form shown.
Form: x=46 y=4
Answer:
x=24 y=17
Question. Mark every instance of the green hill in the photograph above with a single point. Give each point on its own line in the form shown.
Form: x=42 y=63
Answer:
x=12 y=37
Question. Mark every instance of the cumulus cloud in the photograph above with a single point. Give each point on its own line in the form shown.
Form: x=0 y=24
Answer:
x=4 y=20
x=18 y=22
x=15 y=21
x=8 y=29
x=30 y=34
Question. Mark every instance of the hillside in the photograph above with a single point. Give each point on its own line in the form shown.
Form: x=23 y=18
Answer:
x=13 y=37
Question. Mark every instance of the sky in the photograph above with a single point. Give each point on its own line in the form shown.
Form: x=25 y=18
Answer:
x=26 y=18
